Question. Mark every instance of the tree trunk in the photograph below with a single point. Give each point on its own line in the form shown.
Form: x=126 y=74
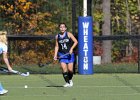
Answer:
x=129 y=48
x=106 y=58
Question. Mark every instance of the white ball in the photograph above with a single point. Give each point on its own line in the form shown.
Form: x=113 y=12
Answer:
x=25 y=86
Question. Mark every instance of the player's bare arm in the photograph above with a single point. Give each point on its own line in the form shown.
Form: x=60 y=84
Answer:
x=6 y=61
x=74 y=40
x=56 y=49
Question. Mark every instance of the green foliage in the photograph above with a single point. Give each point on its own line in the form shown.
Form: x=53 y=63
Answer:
x=31 y=52
x=25 y=17
x=124 y=15
x=41 y=17
x=32 y=17
x=120 y=9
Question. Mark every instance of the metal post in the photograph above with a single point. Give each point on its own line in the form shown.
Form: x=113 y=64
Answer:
x=84 y=8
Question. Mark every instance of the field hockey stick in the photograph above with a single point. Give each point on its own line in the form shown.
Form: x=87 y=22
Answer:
x=63 y=56
x=42 y=65
x=14 y=71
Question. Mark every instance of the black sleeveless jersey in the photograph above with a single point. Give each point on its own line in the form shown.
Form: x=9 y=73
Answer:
x=64 y=43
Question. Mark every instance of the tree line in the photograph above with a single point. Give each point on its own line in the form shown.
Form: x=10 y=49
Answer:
x=41 y=17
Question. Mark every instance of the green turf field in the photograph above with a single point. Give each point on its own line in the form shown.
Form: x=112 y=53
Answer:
x=86 y=87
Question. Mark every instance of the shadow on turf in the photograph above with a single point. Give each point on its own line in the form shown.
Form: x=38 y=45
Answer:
x=54 y=86
x=127 y=83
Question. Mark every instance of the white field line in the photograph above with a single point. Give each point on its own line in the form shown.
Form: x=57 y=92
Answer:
x=45 y=95
x=63 y=95
x=51 y=95
x=78 y=87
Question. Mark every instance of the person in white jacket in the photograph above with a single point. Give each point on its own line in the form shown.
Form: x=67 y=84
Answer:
x=3 y=52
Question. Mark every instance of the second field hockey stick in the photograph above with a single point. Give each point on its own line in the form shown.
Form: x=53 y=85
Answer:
x=42 y=65
x=14 y=71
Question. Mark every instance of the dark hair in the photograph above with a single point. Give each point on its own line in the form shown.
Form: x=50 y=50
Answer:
x=61 y=24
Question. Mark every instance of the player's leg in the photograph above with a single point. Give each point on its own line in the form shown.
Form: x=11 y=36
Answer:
x=70 y=73
x=2 y=90
x=67 y=62
x=65 y=73
x=70 y=68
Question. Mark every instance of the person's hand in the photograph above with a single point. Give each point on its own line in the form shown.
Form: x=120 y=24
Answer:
x=55 y=58
x=71 y=51
x=10 y=69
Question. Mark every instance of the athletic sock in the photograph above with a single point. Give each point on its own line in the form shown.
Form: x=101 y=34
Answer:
x=66 y=77
x=70 y=75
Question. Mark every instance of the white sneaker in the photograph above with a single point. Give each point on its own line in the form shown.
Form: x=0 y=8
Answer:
x=71 y=83
x=3 y=91
x=66 y=85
